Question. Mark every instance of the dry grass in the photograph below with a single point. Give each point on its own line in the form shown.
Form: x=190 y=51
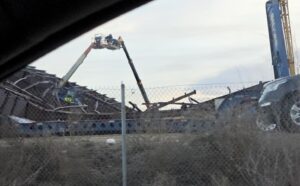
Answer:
x=235 y=155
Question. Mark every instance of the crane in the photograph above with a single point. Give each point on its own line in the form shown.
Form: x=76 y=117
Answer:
x=280 y=38
x=285 y=17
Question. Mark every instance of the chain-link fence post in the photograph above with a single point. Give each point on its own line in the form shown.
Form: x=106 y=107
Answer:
x=123 y=117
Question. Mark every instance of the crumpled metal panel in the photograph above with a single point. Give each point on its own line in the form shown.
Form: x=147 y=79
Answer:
x=31 y=94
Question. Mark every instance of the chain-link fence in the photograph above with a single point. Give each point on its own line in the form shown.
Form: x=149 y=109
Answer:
x=221 y=134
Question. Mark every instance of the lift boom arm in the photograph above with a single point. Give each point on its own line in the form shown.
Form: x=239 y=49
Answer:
x=99 y=42
x=137 y=78
x=79 y=61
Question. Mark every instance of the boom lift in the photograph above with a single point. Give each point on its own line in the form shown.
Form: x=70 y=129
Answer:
x=110 y=43
x=101 y=42
x=98 y=43
x=280 y=38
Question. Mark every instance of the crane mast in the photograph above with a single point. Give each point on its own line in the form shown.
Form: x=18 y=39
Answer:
x=281 y=41
x=287 y=35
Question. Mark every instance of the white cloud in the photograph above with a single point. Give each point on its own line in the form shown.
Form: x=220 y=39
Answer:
x=242 y=74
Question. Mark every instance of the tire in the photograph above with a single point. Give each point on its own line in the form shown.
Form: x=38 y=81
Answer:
x=265 y=123
x=290 y=115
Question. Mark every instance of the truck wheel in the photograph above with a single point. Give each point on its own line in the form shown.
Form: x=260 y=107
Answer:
x=265 y=123
x=290 y=115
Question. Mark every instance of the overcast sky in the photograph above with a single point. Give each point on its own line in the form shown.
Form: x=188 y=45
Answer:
x=176 y=42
